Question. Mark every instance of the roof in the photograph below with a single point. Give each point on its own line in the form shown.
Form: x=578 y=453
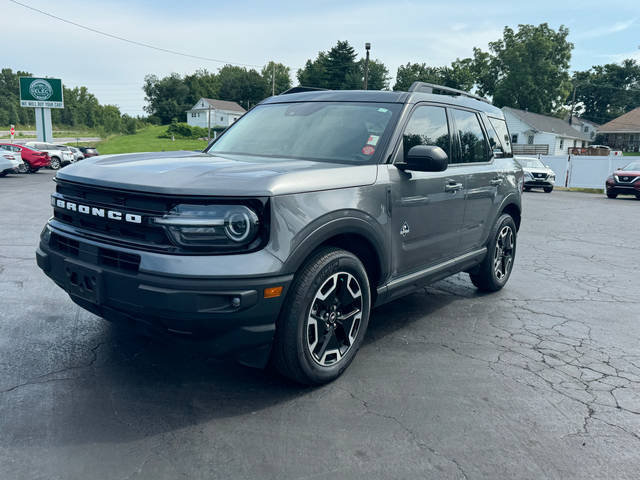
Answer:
x=220 y=105
x=629 y=122
x=582 y=121
x=383 y=96
x=543 y=123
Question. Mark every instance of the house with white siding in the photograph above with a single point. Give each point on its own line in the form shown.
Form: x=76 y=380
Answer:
x=532 y=133
x=585 y=126
x=222 y=112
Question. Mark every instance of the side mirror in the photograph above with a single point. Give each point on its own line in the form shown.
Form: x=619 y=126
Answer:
x=425 y=158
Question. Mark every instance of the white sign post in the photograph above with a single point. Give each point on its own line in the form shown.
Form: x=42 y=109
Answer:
x=12 y=132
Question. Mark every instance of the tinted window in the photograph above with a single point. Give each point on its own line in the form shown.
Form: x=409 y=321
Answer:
x=427 y=126
x=494 y=142
x=472 y=142
x=500 y=127
x=321 y=131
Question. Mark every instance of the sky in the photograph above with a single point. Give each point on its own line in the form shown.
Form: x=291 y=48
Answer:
x=253 y=32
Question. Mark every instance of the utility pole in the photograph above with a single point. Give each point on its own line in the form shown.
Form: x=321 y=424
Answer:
x=273 y=80
x=367 y=47
x=209 y=122
x=573 y=106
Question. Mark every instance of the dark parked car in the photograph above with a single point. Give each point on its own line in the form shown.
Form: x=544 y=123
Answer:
x=276 y=242
x=32 y=159
x=625 y=181
x=89 y=152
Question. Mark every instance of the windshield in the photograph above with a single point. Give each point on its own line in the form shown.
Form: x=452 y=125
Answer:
x=633 y=166
x=321 y=131
x=530 y=162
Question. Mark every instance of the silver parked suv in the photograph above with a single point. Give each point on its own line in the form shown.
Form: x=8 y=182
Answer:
x=275 y=243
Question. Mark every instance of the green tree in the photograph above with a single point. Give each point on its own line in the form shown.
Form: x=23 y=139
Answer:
x=281 y=74
x=378 y=75
x=168 y=98
x=202 y=83
x=459 y=75
x=336 y=69
x=415 y=72
x=241 y=85
x=526 y=69
x=605 y=92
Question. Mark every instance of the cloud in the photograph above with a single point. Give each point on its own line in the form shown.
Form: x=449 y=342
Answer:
x=605 y=30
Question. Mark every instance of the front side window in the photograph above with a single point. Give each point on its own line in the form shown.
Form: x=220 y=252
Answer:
x=427 y=126
x=473 y=146
x=344 y=132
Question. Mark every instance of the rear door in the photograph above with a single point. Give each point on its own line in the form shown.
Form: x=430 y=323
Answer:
x=427 y=207
x=481 y=177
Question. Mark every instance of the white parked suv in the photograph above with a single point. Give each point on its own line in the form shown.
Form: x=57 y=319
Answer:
x=59 y=157
x=536 y=174
x=9 y=162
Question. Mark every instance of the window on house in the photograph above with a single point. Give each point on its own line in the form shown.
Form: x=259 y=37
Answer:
x=530 y=139
x=561 y=144
x=221 y=118
x=514 y=138
x=586 y=129
x=193 y=114
x=575 y=143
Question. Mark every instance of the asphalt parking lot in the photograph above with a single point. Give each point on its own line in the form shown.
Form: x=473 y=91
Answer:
x=541 y=380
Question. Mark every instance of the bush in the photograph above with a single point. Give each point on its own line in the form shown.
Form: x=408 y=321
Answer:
x=183 y=130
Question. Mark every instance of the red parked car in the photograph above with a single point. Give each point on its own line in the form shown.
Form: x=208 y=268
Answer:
x=33 y=160
x=625 y=181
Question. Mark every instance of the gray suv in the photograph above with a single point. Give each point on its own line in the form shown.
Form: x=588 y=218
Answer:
x=274 y=244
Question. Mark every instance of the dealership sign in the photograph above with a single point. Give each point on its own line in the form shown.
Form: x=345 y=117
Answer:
x=41 y=92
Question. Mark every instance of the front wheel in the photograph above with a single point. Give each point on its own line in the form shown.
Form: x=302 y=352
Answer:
x=494 y=271
x=55 y=163
x=548 y=189
x=527 y=189
x=612 y=195
x=324 y=319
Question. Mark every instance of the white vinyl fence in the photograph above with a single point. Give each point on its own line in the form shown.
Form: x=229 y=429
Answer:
x=583 y=171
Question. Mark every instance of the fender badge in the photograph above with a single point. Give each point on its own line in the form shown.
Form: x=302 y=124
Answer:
x=404 y=230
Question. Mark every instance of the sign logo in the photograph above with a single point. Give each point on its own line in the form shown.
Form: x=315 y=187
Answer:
x=41 y=90
x=95 y=211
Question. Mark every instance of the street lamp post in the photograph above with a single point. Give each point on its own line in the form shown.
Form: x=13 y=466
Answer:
x=367 y=47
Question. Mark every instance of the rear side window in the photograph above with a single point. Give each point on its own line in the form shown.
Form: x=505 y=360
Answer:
x=500 y=127
x=473 y=145
x=427 y=126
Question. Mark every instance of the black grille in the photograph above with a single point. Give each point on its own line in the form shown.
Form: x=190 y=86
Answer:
x=95 y=255
x=65 y=245
x=626 y=178
x=539 y=175
x=119 y=260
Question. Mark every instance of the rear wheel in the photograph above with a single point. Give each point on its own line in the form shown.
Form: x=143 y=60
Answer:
x=324 y=319
x=24 y=167
x=494 y=271
x=548 y=189
x=55 y=163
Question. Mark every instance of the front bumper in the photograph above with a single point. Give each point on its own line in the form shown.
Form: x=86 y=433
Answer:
x=539 y=183
x=220 y=316
x=623 y=189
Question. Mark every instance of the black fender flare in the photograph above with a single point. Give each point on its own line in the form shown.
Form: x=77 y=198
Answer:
x=353 y=222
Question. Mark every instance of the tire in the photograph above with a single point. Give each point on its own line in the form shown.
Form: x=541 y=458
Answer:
x=24 y=168
x=488 y=276
x=527 y=189
x=55 y=163
x=311 y=323
x=3 y=174
x=612 y=195
x=548 y=189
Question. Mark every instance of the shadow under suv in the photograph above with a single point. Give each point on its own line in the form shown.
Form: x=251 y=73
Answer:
x=275 y=243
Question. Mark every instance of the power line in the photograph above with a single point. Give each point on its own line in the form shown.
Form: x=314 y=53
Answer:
x=134 y=42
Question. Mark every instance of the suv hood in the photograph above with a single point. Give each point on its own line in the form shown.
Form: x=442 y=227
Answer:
x=195 y=173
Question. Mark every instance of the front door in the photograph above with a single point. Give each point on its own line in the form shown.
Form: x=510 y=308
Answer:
x=427 y=207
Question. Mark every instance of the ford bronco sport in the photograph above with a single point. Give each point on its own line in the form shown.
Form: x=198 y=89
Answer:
x=274 y=244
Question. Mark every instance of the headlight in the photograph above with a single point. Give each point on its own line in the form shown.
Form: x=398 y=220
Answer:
x=225 y=227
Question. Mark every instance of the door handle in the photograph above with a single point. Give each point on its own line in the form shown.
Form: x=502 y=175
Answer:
x=452 y=186
x=496 y=181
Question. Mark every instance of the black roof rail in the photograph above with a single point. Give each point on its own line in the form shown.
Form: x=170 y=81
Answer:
x=425 y=87
x=300 y=88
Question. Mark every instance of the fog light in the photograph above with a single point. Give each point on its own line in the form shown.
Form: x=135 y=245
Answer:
x=272 y=292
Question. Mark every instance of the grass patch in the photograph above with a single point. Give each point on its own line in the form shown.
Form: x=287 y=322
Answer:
x=631 y=154
x=146 y=140
x=583 y=190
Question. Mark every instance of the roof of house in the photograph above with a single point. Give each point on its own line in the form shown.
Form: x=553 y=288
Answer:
x=219 y=105
x=629 y=122
x=543 y=123
x=582 y=121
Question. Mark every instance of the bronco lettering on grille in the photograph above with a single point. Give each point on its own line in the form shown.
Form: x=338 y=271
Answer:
x=97 y=212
